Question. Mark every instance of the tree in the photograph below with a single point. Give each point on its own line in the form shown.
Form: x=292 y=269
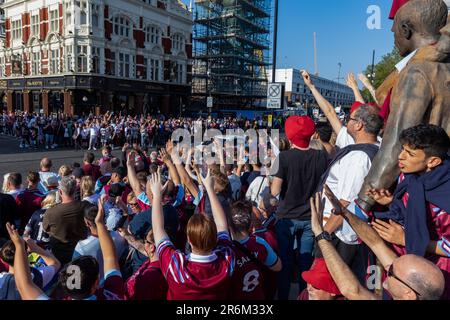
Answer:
x=382 y=70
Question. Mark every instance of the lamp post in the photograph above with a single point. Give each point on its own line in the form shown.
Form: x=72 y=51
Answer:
x=338 y=83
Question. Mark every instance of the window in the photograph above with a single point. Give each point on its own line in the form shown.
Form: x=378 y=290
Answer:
x=154 y=69
x=83 y=8
x=179 y=73
x=35 y=25
x=54 y=61
x=2 y=60
x=82 y=58
x=113 y=63
x=124 y=65
x=95 y=60
x=68 y=14
x=122 y=27
x=178 y=42
x=69 y=67
x=35 y=63
x=143 y=75
x=94 y=15
x=16 y=29
x=54 y=20
x=153 y=35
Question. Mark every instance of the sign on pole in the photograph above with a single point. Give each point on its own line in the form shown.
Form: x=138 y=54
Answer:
x=209 y=102
x=274 y=96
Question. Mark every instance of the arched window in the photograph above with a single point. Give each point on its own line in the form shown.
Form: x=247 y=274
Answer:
x=178 y=42
x=153 y=35
x=122 y=26
x=82 y=58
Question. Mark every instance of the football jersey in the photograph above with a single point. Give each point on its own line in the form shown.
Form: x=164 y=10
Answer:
x=248 y=278
x=195 y=277
x=148 y=283
x=29 y=201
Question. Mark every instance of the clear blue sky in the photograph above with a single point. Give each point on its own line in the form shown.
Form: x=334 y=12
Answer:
x=342 y=35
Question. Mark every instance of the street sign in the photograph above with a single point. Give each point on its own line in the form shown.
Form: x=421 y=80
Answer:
x=209 y=102
x=274 y=96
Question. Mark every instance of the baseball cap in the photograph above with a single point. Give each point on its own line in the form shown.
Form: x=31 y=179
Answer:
x=299 y=130
x=78 y=172
x=142 y=223
x=319 y=277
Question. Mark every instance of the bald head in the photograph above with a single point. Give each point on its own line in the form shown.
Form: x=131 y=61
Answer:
x=46 y=164
x=423 y=275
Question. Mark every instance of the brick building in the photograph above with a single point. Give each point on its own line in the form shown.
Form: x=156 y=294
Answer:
x=86 y=56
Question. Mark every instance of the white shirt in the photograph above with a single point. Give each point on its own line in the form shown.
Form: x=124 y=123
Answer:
x=91 y=247
x=404 y=62
x=256 y=188
x=345 y=179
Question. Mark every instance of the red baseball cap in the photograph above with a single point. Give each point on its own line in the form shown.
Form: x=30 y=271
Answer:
x=320 y=278
x=396 y=5
x=299 y=130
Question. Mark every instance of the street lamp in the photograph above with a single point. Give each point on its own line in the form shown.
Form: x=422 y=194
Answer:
x=338 y=79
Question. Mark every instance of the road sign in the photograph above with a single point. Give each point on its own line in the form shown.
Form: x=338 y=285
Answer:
x=274 y=96
x=209 y=102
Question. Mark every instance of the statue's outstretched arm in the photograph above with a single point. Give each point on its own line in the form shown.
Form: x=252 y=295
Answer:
x=409 y=104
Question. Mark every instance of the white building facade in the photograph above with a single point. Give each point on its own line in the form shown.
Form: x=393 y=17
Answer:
x=297 y=92
x=81 y=56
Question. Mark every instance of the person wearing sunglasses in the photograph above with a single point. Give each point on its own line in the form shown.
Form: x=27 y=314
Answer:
x=409 y=277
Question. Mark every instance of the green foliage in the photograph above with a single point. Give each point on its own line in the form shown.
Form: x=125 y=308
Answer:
x=384 y=68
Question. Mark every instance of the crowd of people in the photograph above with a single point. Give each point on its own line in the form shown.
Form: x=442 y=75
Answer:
x=160 y=226
x=89 y=132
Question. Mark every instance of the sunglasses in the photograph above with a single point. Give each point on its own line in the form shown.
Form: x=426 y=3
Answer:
x=391 y=274
x=135 y=204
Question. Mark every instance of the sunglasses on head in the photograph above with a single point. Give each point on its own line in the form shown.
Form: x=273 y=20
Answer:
x=391 y=274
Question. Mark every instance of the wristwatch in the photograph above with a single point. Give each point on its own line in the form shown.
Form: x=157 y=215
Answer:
x=324 y=235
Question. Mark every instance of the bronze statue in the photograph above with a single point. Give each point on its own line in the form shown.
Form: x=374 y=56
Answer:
x=421 y=91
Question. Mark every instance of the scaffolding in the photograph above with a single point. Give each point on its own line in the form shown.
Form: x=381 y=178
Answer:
x=231 y=52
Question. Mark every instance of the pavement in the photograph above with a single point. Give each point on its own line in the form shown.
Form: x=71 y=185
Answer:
x=15 y=159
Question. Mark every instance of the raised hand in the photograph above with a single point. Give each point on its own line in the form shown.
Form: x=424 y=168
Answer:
x=169 y=146
x=208 y=181
x=307 y=78
x=14 y=235
x=131 y=160
x=164 y=155
x=366 y=82
x=100 y=218
x=154 y=184
x=351 y=80
x=381 y=196
x=316 y=214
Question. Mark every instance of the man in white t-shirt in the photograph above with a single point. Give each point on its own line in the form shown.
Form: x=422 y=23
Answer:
x=93 y=131
x=347 y=172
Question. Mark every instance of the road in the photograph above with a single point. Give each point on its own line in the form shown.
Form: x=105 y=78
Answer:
x=14 y=159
